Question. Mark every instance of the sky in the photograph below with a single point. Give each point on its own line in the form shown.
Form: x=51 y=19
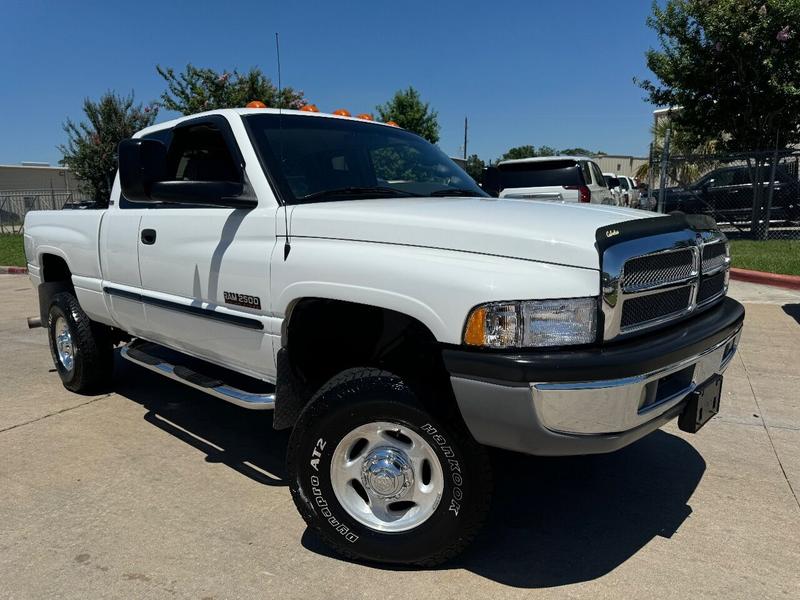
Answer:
x=530 y=72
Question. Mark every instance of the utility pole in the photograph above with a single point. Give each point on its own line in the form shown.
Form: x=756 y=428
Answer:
x=465 y=138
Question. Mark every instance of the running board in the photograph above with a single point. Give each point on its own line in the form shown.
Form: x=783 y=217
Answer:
x=143 y=354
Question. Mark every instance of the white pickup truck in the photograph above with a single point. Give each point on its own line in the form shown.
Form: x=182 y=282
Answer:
x=351 y=277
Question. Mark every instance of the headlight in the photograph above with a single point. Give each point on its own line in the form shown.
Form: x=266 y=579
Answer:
x=532 y=323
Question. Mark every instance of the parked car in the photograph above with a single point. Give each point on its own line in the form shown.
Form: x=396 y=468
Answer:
x=630 y=193
x=549 y=178
x=612 y=181
x=349 y=276
x=727 y=194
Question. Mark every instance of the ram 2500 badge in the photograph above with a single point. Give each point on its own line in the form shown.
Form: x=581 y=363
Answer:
x=349 y=276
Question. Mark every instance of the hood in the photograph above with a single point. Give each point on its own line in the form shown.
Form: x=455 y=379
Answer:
x=525 y=229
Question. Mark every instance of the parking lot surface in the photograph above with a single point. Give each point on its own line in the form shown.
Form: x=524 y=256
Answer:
x=154 y=490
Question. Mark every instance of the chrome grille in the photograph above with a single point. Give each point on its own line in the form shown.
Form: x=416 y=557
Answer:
x=655 y=280
x=652 y=270
x=714 y=257
x=639 y=311
x=711 y=287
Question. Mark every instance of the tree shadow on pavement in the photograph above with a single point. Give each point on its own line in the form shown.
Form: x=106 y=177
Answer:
x=557 y=521
x=236 y=437
x=793 y=310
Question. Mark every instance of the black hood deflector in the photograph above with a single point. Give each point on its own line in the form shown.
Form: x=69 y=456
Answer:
x=611 y=235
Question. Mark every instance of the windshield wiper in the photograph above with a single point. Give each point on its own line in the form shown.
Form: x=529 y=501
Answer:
x=455 y=192
x=376 y=191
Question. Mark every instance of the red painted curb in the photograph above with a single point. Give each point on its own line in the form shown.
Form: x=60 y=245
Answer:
x=13 y=270
x=791 y=282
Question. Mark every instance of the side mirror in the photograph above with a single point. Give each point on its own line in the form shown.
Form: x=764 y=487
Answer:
x=141 y=164
x=142 y=174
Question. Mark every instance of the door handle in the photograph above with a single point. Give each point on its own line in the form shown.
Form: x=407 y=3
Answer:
x=149 y=236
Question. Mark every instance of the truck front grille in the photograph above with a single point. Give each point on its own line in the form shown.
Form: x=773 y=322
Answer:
x=711 y=287
x=714 y=257
x=658 y=269
x=640 y=311
x=652 y=282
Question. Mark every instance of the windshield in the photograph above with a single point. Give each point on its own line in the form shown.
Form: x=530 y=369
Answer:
x=540 y=174
x=319 y=159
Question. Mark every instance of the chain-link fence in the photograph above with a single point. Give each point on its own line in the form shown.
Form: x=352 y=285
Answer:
x=751 y=196
x=15 y=204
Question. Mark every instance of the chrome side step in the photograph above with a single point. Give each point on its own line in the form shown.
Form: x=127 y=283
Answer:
x=137 y=352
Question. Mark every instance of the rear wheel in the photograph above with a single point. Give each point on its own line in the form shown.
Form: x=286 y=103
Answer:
x=81 y=349
x=379 y=478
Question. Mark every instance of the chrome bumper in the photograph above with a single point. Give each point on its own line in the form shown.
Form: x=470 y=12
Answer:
x=618 y=405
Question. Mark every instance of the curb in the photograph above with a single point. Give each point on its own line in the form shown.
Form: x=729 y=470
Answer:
x=13 y=270
x=791 y=282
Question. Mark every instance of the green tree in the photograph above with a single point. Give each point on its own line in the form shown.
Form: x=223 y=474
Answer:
x=91 y=148
x=695 y=160
x=475 y=167
x=528 y=152
x=519 y=152
x=731 y=65
x=581 y=152
x=407 y=109
x=197 y=90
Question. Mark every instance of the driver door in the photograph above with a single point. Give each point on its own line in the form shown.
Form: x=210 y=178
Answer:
x=205 y=270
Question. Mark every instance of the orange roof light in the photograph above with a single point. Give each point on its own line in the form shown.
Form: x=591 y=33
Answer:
x=310 y=108
x=256 y=104
x=342 y=112
x=365 y=116
x=392 y=123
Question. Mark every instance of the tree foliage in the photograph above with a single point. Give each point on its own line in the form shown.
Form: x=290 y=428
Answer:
x=531 y=151
x=407 y=109
x=197 y=90
x=693 y=162
x=475 y=167
x=91 y=148
x=581 y=152
x=731 y=65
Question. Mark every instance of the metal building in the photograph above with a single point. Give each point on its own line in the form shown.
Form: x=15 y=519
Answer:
x=619 y=164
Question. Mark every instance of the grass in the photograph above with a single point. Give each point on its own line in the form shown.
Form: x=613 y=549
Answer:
x=11 y=251
x=772 y=256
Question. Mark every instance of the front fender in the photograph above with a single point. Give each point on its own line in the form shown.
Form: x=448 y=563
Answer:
x=436 y=287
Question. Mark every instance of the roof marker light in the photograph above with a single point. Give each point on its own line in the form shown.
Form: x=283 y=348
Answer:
x=392 y=123
x=256 y=104
x=365 y=116
x=309 y=108
x=342 y=112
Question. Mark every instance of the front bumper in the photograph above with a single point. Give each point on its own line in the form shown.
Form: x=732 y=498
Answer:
x=587 y=401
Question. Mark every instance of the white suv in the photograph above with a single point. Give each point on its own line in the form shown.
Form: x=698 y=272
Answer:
x=553 y=178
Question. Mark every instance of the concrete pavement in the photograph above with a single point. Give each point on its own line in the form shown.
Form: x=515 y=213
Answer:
x=156 y=490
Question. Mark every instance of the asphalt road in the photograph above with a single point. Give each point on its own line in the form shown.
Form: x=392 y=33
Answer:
x=155 y=490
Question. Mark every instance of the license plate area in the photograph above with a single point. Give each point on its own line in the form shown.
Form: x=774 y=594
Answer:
x=703 y=404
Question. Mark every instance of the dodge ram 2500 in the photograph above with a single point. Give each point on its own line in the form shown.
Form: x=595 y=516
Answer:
x=349 y=276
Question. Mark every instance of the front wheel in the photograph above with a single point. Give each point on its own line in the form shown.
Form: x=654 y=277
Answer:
x=379 y=478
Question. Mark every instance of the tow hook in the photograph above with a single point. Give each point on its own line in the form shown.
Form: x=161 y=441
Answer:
x=34 y=322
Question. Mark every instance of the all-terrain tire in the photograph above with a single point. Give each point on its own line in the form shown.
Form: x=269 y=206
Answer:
x=92 y=352
x=359 y=398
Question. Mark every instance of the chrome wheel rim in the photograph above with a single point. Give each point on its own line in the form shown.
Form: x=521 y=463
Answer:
x=387 y=477
x=64 y=347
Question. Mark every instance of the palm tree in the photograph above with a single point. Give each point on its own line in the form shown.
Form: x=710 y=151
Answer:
x=686 y=162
